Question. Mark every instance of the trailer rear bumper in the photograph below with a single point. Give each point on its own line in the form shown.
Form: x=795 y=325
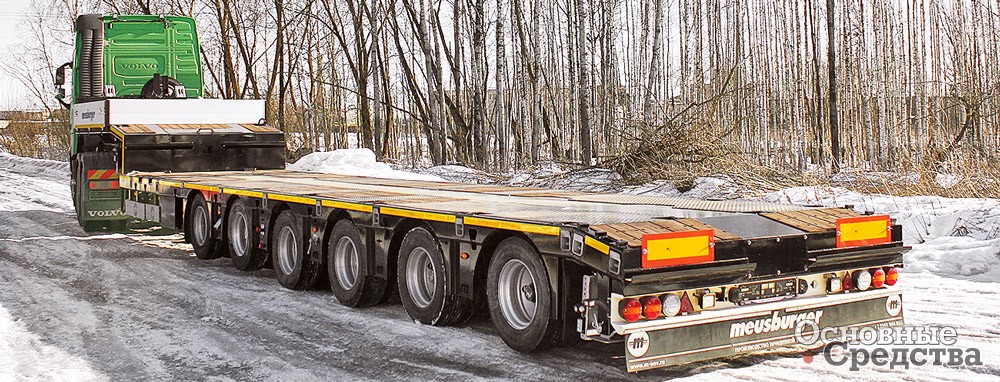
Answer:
x=714 y=334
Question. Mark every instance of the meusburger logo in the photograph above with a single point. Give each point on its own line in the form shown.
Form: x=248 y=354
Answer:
x=104 y=213
x=773 y=323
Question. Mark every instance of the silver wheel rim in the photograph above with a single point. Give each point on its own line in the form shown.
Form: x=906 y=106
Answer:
x=346 y=261
x=200 y=225
x=516 y=293
x=421 y=277
x=239 y=233
x=286 y=249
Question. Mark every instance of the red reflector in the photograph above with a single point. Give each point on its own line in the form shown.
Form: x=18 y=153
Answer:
x=686 y=306
x=847 y=283
x=891 y=277
x=631 y=309
x=103 y=184
x=878 y=278
x=651 y=307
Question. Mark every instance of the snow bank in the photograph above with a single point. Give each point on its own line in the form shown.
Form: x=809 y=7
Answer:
x=25 y=357
x=923 y=217
x=36 y=167
x=460 y=174
x=23 y=181
x=954 y=238
x=358 y=162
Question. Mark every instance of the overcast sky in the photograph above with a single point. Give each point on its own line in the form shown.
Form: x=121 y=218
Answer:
x=12 y=13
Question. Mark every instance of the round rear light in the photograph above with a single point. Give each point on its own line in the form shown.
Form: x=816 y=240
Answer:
x=878 y=278
x=631 y=309
x=670 y=304
x=891 y=276
x=651 y=307
x=862 y=280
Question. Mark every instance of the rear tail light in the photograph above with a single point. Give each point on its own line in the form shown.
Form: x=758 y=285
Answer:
x=651 y=307
x=847 y=283
x=862 y=280
x=891 y=276
x=631 y=309
x=103 y=184
x=670 y=304
x=878 y=278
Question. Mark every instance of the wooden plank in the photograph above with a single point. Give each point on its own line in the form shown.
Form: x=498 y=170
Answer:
x=645 y=228
x=799 y=220
x=791 y=221
x=615 y=232
x=813 y=224
x=260 y=128
x=840 y=212
x=670 y=225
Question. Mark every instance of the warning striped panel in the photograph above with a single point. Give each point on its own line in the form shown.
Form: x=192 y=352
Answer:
x=102 y=174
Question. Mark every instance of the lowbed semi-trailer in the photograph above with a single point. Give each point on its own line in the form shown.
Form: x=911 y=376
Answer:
x=675 y=280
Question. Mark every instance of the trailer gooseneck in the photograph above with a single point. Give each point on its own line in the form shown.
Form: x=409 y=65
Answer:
x=675 y=280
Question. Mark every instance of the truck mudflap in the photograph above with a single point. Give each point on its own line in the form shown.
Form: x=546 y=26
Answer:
x=714 y=334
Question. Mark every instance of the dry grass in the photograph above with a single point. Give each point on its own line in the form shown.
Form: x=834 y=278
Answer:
x=37 y=139
x=681 y=157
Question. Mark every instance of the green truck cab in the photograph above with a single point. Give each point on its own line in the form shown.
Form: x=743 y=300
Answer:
x=136 y=104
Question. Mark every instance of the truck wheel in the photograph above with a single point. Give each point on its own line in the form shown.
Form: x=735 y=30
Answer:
x=75 y=185
x=347 y=264
x=423 y=280
x=199 y=229
x=520 y=297
x=73 y=182
x=293 y=268
x=238 y=230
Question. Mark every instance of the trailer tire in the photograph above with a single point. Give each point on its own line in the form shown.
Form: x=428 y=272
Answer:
x=198 y=229
x=293 y=268
x=520 y=297
x=347 y=266
x=422 y=279
x=239 y=231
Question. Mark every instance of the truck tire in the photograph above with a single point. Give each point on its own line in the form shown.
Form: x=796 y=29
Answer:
x=75 y=184
x=347 y=265
x=293 y=268
x=74 y=181
x=239 y=229
x=520 y=297
x=198 y=228
x=423 y=281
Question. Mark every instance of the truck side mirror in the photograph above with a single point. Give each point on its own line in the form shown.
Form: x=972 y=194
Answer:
x=63 y=91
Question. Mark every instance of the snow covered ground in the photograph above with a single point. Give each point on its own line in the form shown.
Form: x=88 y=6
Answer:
x=353 y=162
x=79 y=307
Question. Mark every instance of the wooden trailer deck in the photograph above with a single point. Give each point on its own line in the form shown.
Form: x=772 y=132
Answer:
x=622 y=217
